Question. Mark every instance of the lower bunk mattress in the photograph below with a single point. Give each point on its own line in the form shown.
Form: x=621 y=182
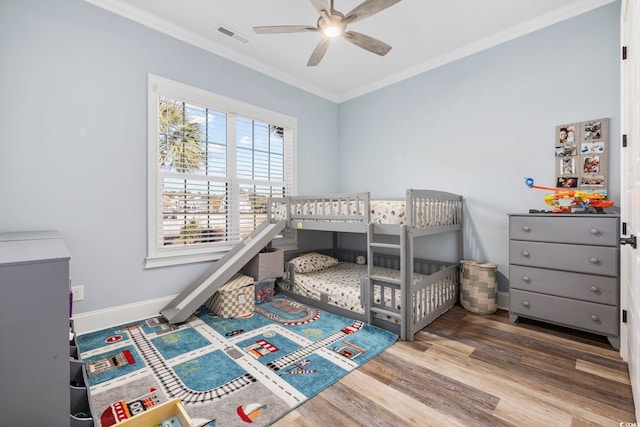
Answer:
x=339 y=285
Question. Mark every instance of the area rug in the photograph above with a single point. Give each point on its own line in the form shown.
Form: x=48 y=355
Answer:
x=227 y=372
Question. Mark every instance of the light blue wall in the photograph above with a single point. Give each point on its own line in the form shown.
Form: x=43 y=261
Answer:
x=478 y=126
x=73 y=131
x=73 y=119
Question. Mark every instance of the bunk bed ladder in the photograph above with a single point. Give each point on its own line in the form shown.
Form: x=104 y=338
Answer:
x=403 y=284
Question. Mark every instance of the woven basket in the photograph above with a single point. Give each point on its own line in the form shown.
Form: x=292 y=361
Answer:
x=478 y=287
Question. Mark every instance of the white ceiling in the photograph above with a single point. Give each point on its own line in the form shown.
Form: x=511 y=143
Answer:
x=424 y=34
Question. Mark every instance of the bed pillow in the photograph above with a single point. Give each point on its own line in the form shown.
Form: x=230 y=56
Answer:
x=313 y=261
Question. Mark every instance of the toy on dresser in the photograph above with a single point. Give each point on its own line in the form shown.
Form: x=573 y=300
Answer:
x=565 y=200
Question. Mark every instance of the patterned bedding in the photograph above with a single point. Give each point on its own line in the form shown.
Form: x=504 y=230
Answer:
x=381 y=211
x=341 y=285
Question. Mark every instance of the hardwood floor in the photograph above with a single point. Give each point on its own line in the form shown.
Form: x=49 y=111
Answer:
x=480 y=370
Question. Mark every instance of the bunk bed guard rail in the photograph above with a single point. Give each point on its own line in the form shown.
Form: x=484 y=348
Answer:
x=421 y=209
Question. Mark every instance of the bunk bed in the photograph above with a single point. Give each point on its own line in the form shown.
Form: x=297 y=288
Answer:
x=391 y=288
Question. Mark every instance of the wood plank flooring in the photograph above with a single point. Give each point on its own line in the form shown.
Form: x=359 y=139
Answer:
x=480 y=370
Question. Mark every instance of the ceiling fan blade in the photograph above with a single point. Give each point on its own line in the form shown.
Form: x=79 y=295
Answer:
x=318 y=52
x=321 y=5
x=368 y=8
x=367 y=43
x=277 y=29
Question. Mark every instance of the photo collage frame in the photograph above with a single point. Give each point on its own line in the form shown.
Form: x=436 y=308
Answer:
x=581 y=153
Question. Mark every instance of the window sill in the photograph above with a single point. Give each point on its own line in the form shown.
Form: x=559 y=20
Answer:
x=170 y=260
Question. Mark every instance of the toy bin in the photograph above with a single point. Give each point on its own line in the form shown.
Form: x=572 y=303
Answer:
x=478 y=287
x=266 y=265
x=171 y=413
x=265 y=290
x=236 y=298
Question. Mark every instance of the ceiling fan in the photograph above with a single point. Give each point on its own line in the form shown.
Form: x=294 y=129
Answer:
x=333 y=23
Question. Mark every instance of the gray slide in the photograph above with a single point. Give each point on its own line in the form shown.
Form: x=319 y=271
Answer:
x=189 y=300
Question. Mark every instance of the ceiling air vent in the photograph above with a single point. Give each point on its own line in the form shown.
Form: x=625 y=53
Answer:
x=234 y=35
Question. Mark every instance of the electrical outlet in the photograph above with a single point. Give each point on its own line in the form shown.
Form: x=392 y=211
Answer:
x=78 y=293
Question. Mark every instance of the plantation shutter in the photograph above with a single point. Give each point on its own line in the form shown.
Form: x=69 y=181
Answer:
x=217 y=170
x=193 y=171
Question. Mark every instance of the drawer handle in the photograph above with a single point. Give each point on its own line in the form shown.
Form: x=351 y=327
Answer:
x=525 y=303
x=594 y=289
x=594 y=260
x=595 y=231
x=526 y=228
x=594 y=318
x=526 y=254
x=526 y=279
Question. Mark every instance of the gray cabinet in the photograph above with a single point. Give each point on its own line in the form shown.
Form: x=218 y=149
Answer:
x=564 y=269
x=34 y=314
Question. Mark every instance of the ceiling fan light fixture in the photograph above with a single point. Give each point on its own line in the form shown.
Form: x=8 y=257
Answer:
x=332 y=31
x=332 y=23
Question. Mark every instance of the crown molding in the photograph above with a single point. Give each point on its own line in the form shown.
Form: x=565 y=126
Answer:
x=483 y=44
x=147 y=19
x=163 y=26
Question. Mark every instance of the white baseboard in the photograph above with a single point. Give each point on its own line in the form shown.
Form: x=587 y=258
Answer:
x=113 y=316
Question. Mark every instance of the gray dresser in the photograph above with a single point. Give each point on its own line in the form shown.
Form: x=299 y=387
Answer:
x=564 y=269
x=34 y=313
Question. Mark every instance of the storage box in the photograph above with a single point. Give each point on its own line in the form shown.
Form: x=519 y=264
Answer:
x=266 y=265
x=265 y=290
x=159 y=413
x=236 y=298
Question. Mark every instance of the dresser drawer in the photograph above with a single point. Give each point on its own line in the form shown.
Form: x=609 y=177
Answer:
x=601 y=260
x=598 y=289
x=602 y=319
x=592 y=230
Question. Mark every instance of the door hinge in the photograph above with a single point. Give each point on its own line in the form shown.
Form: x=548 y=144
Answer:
x=624 y=316
x=624 y=140
x=631 y=240
x=624 y=52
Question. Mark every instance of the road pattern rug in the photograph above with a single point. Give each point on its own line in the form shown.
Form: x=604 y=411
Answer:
x=226 y=372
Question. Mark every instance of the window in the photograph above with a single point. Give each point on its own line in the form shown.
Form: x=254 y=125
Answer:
x=213 y=162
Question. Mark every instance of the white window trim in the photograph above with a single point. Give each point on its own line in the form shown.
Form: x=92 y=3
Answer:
x=159 y=85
